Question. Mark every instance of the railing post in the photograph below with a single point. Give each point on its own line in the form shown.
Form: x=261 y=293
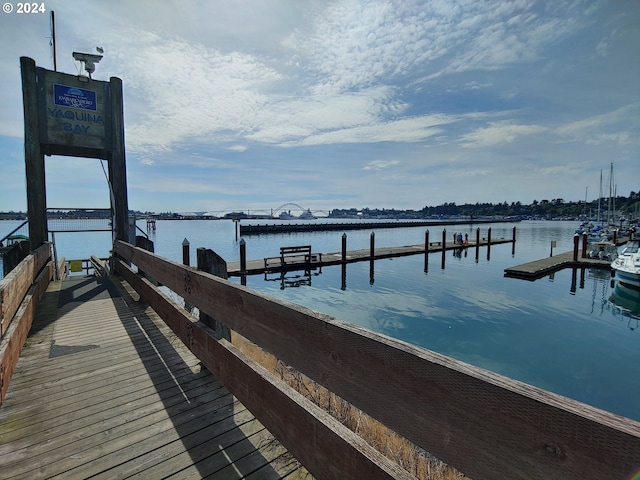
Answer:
x=210 y=262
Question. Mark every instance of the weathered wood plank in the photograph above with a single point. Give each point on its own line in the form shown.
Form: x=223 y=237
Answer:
x=14 y=286
x=484 y=424
x=172 y=457
x=14 y=338
x=321 y=443
x=143 y=413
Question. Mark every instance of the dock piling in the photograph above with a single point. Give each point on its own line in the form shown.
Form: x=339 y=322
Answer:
x=426 y=251
x=185 y=252
x=372 y=245
x=444 y=246
x=344 y=248
x=584 y=245
x=576 y=241
x=243 y=256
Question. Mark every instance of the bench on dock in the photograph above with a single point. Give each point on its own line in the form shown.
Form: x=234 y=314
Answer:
x=294 y=253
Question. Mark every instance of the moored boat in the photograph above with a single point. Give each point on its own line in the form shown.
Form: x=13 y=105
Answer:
x=627 y=265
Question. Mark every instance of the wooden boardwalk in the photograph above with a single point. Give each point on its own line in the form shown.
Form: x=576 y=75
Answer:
x=104 y=389
x=335 y=258
x=544 y=266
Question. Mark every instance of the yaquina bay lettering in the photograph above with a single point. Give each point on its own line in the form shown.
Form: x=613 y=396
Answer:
x=71 y=126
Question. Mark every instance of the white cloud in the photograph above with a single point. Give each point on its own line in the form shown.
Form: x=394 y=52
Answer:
x=590 y=129
x=498 y=133
x=380 y=164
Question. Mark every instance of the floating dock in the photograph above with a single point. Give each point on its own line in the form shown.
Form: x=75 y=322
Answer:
x=320 y=226
x=254 y=267
x=545 y=266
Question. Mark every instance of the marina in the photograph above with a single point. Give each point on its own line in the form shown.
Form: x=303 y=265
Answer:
x=319 y=260
x=135 y=304
x=167 y=274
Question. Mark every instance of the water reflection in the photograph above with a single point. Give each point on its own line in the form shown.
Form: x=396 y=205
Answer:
x=293 y=279
x=625 y=301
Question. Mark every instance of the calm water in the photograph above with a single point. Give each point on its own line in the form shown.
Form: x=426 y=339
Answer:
x=561 y=333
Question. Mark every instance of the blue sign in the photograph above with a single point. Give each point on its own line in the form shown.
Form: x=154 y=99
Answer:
x=74 y=97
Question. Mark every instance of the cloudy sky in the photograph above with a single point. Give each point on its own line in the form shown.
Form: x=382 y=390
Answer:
x=236 y=105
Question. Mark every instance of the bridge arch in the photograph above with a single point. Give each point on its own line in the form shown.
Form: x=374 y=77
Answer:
x=288 y=207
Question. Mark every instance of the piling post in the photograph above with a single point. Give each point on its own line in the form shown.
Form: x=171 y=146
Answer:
x=477 y=244
x=584 y=245
x=243 y=256
x=513 y=244
x=372 y=245
x=210 y=262
x=615 y=237
x=444 y=246
x=34 y=157
x=489 y=237
x=576 y=241
x=426 y=251
x=185 y=252
x=344 y=248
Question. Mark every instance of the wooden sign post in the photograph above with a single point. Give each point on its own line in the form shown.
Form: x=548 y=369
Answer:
x=71 y=115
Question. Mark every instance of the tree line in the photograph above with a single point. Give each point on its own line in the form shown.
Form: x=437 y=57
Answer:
x=554 y=208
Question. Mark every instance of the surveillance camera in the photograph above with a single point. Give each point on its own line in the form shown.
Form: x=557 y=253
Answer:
x=89 y=61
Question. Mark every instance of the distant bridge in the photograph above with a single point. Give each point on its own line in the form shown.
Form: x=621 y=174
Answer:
x=289 y=207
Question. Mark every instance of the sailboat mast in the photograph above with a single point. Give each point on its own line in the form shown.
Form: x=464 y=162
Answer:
x=609 y=203
x=599 y=197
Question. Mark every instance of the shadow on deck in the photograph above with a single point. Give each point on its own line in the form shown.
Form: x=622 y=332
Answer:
x=104 y=389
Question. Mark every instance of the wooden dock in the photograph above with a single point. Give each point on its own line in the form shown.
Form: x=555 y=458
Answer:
x=104 y=389
x=254 y=267
x=320 y=226
x=545 y=266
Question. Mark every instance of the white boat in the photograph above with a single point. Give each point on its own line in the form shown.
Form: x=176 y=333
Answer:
x=307 y=215
x=627 y=265
x=286 y=216
x=602 y=250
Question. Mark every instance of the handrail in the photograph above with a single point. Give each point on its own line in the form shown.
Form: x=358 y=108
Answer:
x=20 y=293
x=486 y=425
x=13 y=231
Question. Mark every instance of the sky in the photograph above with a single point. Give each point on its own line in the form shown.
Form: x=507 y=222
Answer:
x=250 y=105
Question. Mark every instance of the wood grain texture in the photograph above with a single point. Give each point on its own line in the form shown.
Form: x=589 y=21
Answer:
x=15 y=285
x=13 y=341
x=484 y=424
x=323 y=445
x=134 y=404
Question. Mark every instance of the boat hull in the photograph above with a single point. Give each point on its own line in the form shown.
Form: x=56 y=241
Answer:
x=631 y=279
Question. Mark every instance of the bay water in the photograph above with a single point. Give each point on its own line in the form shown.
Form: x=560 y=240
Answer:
x=572 y=332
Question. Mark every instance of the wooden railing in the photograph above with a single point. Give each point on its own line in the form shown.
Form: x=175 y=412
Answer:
x=486 y=425
x=20 y=292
